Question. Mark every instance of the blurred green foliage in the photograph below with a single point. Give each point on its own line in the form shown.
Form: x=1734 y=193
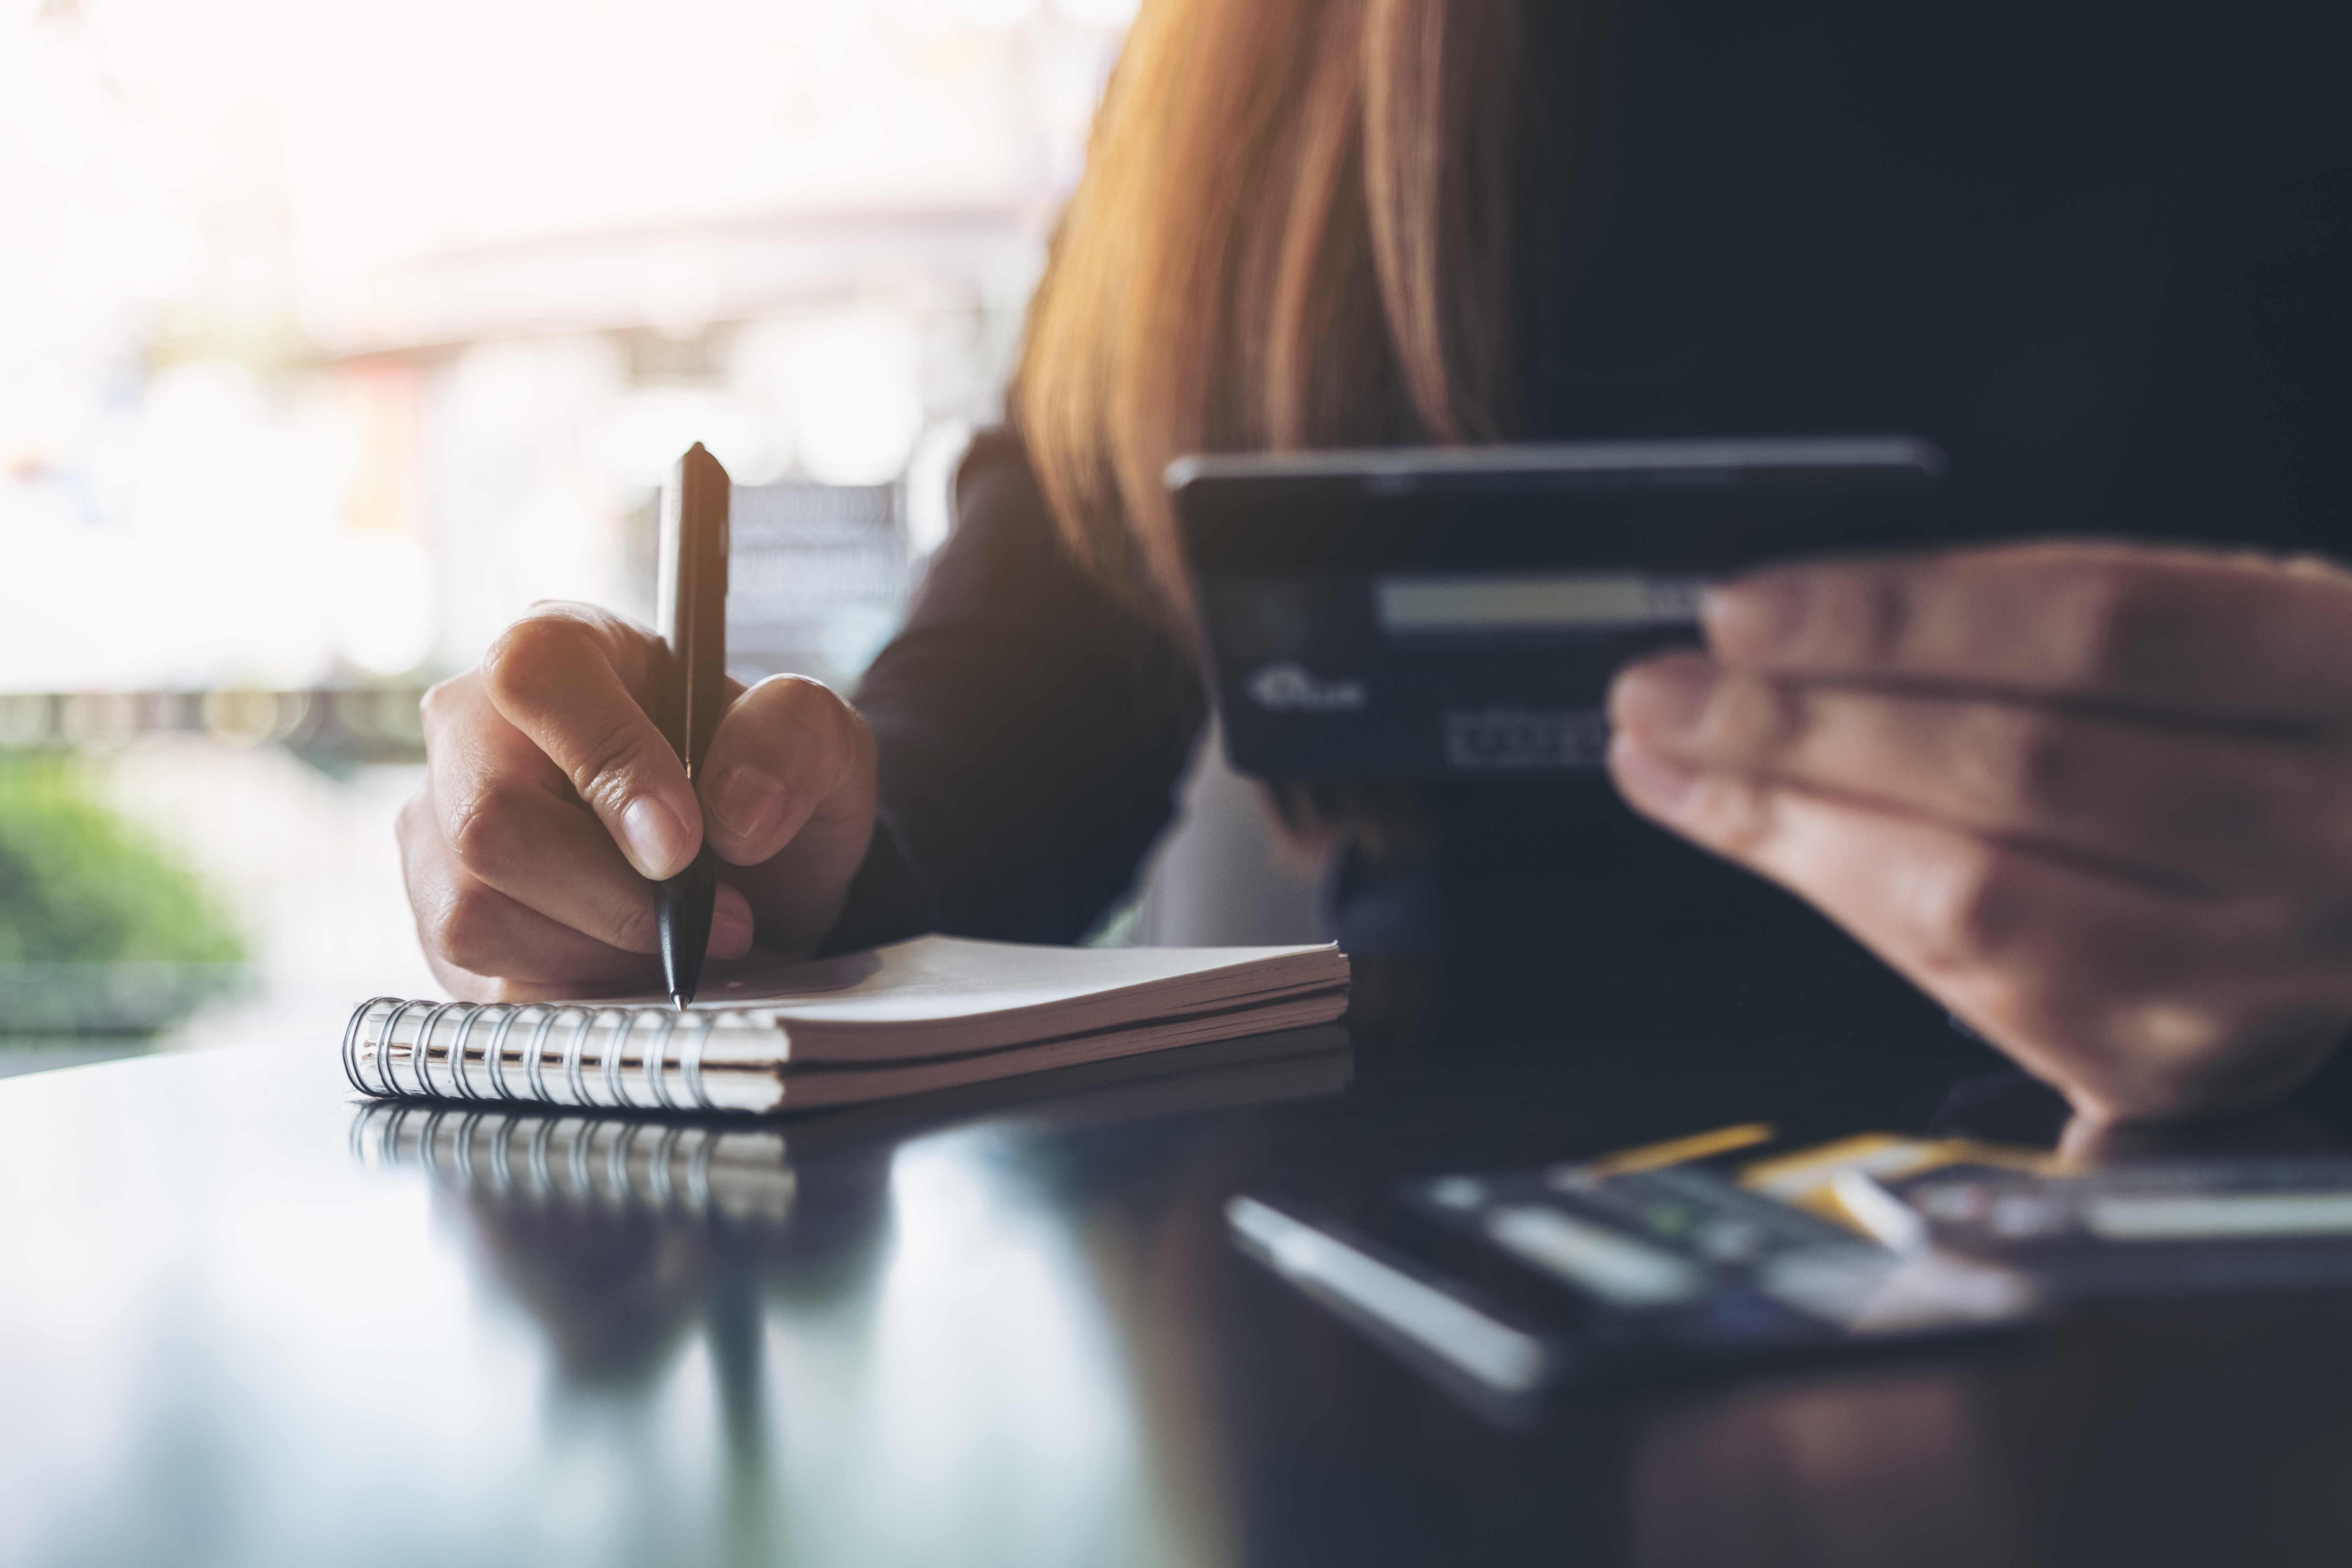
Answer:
x=78 y=884
x=101 y=929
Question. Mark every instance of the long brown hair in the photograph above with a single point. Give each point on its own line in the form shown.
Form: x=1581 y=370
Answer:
x=1294 y=229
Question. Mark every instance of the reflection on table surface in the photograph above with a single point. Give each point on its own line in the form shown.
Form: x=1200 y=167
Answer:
x=250 y=1319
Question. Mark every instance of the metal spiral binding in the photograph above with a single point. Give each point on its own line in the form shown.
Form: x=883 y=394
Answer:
x=659 y=1049
x=610 y=1059
x=690 y=1062
x=461 y=1075
x=495 y=1053
x=575 y=1083
x=384 y=1046
x=460 y=1078
x=423 y=1060
x=677 y=1046
x=534 y=1055
x=352 y=1040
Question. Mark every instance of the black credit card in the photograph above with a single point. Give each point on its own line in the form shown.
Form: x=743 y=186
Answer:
x=1424 y=613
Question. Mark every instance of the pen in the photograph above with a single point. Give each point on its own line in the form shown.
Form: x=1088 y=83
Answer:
x=692 y=607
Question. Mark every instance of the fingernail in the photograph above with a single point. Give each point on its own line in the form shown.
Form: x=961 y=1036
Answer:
x=654 y=838
x=1754 y=617
x=1664 y=698
x=730 y=929
x=747 y=801
x=1650 y=780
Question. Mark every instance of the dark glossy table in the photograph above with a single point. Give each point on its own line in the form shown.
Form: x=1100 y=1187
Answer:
x=245 y=1321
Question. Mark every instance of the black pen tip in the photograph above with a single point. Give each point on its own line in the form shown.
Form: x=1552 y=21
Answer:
x=681 y=998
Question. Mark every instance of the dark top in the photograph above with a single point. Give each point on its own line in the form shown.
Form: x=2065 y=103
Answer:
x=2099 y=253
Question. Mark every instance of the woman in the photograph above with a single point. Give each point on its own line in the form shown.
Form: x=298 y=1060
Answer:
x=2093 y=796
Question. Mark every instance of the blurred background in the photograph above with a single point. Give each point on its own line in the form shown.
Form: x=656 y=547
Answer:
x=335 y=332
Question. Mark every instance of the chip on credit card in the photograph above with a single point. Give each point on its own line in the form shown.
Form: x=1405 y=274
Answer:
x=1431 y=614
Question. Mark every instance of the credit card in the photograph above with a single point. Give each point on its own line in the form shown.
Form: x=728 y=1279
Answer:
x=1682 y=1261
x=1645 y=1265
x=1411 y=613
x=2163 y=1227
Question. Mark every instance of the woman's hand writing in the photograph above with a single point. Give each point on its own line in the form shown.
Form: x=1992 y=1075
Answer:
x=550 y=797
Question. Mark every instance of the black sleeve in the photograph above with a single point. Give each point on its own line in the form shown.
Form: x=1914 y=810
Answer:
x=1029 y=732
x=2243 y=438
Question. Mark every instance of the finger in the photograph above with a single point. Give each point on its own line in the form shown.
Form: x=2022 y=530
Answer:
x=552 y=858
x=510 y=818
x=783 y=750
x=462 y=920
x=2233 y=639
x=513 y=822
x=2196 y=809
x=465 y=737
x=467 y=922
x=484 y=932
x=569 y=678
x=2139 y=1002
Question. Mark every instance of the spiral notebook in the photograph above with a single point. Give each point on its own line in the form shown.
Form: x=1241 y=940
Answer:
x=745 y=1172
x=934 y=1013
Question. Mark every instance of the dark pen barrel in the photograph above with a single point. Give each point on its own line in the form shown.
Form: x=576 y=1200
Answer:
x=692 y=612
x=682 y=910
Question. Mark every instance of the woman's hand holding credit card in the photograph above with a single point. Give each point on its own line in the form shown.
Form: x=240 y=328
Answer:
x=2096 y=798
